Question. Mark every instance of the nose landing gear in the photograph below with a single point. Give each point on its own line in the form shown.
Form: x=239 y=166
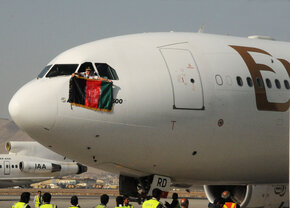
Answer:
x=141 y=188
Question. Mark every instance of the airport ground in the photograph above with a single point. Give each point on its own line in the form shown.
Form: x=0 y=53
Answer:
x=88 y=198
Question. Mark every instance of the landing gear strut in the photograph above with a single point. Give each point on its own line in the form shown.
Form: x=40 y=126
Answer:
x=136 y=188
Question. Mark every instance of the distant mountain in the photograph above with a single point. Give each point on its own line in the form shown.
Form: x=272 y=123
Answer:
x=9 y=131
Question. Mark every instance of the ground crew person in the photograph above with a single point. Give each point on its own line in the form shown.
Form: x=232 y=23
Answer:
x=37 y=199
x=218 y=203
x=104 y=201
x=119 y=201
x=184 y=203
x=24 y=199
x=154 y=202
x=226 y=195
x=126 y=202
x=46 y=201
x=74 y=202
x=174 y=203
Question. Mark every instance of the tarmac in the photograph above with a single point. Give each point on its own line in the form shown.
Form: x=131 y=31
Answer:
x=89 y=201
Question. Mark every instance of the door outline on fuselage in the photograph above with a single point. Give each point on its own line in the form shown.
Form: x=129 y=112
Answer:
x=6 y=168
x=201 y=107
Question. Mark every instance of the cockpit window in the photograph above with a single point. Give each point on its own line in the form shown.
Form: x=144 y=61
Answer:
x=62 y=70
x=43 y=72
x=106 y=71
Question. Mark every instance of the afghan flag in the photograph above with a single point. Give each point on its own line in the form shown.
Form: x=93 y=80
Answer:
x=91 y=93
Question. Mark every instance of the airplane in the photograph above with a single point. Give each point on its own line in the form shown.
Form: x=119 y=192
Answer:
x=30 y=162
x=187 y=108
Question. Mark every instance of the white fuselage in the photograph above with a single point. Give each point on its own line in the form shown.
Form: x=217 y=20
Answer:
x=183 y=114
x=13 y=174
x=30 y=162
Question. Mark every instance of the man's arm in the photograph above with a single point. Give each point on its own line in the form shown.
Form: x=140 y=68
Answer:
x=160 y=205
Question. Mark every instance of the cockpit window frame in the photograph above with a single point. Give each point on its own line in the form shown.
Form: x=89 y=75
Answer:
x=75 y=67
x=108 y=69
x=44 y=71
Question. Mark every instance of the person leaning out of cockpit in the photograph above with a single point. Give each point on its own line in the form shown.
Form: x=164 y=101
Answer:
x=87 y=74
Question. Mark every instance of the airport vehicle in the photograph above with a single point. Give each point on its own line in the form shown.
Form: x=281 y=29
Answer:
x=188 y=109
x=30 y=162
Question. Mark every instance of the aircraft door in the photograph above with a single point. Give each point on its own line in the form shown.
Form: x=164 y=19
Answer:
x=6 y=168
x=185 y=79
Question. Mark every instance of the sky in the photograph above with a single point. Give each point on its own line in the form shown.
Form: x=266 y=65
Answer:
x=33 y=32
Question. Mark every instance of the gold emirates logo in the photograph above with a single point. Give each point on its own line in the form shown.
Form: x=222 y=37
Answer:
x=255 y=70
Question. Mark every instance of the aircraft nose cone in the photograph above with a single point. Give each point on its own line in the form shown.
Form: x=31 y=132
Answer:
x=33 y=106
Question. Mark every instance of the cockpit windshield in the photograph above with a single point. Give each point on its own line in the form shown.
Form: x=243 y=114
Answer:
x=43 y=72
x=106 y=71
x=62 y=70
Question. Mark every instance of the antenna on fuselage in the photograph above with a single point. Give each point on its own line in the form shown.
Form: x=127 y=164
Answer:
x=201 y=29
